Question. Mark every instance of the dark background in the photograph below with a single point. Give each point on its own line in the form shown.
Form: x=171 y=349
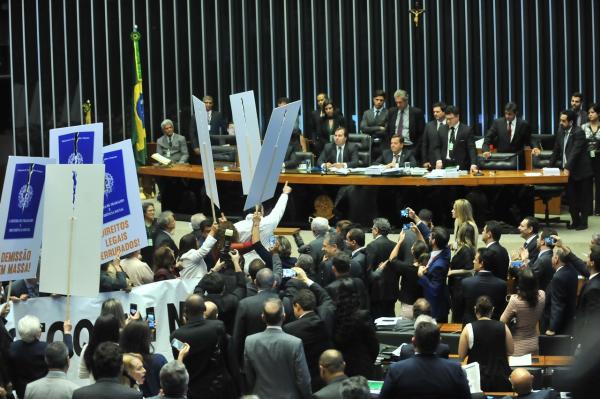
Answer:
x=475 y=53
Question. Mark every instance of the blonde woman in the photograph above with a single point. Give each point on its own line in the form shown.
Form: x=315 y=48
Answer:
x=462 y=212
x=461 y=266
x=134 y=373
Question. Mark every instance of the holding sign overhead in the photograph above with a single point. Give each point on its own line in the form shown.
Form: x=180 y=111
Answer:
x=247 y=135
x=272 y=154
x=123 y=230
x=76 y=145
x=208 y=167
x=21 y=217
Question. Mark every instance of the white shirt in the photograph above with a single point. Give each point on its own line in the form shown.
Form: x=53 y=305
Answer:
x=433 y=255
x=488 y=245
x=267 y=223
x=193 y=262
x=355 y=251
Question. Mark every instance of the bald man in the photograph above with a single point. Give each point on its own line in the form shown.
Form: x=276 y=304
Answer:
x=274 y=361
x=211 y=312
x=331 y=369
x=522 y=383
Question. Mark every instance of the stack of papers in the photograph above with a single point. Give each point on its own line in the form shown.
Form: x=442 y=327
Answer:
x=519 y=361
x=339 y=171
x=551 y=172
x=436 y=174
x=386 y=323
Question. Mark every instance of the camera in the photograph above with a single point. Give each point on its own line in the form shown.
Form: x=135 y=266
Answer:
x=224 y=253
x=550 y=241
x=516 y=263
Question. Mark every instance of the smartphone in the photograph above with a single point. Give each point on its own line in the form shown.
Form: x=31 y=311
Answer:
x=272 y=242
x=151 y=322
x=549 y=241
x=289 y=273
x=406 y=226
x=404 y=213
x=132 y=309
x=177 y=344
x=516 y=263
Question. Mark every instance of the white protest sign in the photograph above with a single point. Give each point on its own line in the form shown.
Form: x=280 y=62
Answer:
x=208 y=167
x=165 y=297
x=247 y=135
x=272 y=154
x=76 y=145
x=124 y=230
x=72 y=229
x=21 y=214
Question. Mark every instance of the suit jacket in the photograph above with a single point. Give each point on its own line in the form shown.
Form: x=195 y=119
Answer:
x=579 y=162
x=497 y=135
x=371 y=125
x=431 y=141
x=178 y=148
x=290 y=161
x=412 y=378
x=275 y=365
x=325 y=275
x=314 y=249
x=408 y=350
x=434 y=285
x=384 y=285
x=324 y=131
x=406 y=155
x=208 y=361
x=588 y=307
x=483 y=283
x=464 y=152
x=561 y=298
x=313 y=333
x=542 y=269
x=106 y=388
x=359 y=288
x=315 y=123
x=218 y=126
x=331 y=390
x=55 y=385
x=532 y=249
x=501 y=261
x=416 y=125
x=161 y=238
x=227 y=302
x=329 y=154
x=361 y=259
x=581 y=117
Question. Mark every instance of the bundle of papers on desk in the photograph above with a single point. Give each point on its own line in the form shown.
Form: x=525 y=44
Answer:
x=339 y=171
x=551 y=172
x=387 y=323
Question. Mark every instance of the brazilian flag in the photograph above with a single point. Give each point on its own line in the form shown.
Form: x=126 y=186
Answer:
x=138 y=130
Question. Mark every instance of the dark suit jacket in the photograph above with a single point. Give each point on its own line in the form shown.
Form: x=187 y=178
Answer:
x=325 y=275
x=226 y=302
x=361 y=259
x=408 y=350
x=163 y=239
x=329 y=154
x=588 y=308
x=542 y=269
x=561 y=301
x=464 y=153
x=383 y=287
x=416 y=125
x=434 y=285
x=371 y=125
x=290 y=161
x=324 y=132
x=387 y=156
x=532 y=249
x=501 y=261
x=431 y=141
x=483 y=283
x=218 y=126
x=332 y=390
x=106 y=388
x=412 y=378
x=579 y=162
x=206 y=338
x=314 y=249
x=359 y=288
x=497 y=135
x=311 y=330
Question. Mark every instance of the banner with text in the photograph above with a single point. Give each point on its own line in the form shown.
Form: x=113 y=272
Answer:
x=21 y=217
x=77 y=145
x=165 y=298
x=123 y=230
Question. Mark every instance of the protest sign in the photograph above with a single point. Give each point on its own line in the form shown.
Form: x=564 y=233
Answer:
x=77 y=145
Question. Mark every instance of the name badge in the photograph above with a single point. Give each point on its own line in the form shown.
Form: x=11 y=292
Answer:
x=168 y=154
x=450 y=146
x=150 y=243
x=592 y=154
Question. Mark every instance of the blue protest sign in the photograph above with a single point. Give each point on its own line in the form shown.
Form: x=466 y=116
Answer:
x=76 y=145
x=115 y=188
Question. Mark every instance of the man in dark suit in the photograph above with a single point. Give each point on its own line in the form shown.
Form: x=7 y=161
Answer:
x=343 y=277
x=407 y=350
x=108 y=367
x=433 y=276
x=588 y=307
x=374 y=122
x=570 y=152
x=426 y=374
x=581 y=116
x=174 y=380
x=542 y=266
x=396 y=156
x=314 y=123
x=309 y=327
x=406 y=121
x=483 y=283
x=561 y=295
x=355 y=243
x=164 y=233
x=522 y=383
x=492 y=231
x=217 y=124
x=319 y=227
x=207 y=340
x=384 y=290
x=274 y=361
x=340 y=153
x=508 y=134
x=456 y=146
x=26 y=356
x=528 y=230
x=331 y=368
x=431 y=135
x=333 y=245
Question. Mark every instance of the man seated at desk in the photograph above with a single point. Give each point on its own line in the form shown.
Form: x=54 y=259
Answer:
x=340 y=153
x=396 y=156
x=172 y=145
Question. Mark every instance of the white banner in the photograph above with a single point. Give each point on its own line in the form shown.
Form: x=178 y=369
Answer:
x=123 y=230
x=208 y=167
x=166 y=298
x=21 y=214
x=247 y=135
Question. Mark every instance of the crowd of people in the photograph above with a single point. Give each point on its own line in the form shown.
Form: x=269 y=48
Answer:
x=262 y=322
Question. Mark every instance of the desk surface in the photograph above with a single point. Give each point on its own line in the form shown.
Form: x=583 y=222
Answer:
x=490 y=178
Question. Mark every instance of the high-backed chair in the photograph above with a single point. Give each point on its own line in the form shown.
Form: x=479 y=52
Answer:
x=546 y=193
x=500 y=161
x=363 y=141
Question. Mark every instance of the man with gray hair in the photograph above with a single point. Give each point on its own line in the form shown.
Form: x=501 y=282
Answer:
x=174 y=380
x=384 y=290
x=406 y=121
x=164 y=232
x=172 y=145
x=408 y=350
x=55 y=384
x=319 y=226
x=27 y=355
x=356 y=387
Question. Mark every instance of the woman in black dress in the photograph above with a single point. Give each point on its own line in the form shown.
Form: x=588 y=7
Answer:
x=461 y=266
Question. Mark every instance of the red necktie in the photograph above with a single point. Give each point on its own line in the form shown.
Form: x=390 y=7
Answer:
x=509 y=131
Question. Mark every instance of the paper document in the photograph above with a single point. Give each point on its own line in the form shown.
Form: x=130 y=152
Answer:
x=551 y=172
x=473 y=376
x=519 y=361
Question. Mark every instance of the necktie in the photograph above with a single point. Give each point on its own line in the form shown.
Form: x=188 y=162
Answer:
x=209 y=117
x=400 y=123
x=339 y=155
x=170 y=142
x=565 y=149
x=509 y=131
x=452 y=136
x=376 y=113
x=438 y=126
x=451 y=141
x=396 y=159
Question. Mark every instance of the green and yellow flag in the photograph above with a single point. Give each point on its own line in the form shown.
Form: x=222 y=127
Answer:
x=138 y=130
